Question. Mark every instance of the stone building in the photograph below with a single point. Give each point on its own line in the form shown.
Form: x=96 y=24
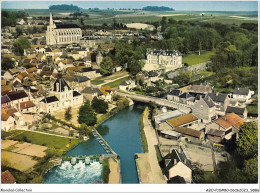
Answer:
x=61 y=96
x=163 y=59
x=205 y=109
x=59 y=33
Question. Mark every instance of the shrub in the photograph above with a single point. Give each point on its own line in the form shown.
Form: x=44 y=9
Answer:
x=105 y=171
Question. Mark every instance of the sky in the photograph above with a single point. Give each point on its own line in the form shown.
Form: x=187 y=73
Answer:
x=177 y=5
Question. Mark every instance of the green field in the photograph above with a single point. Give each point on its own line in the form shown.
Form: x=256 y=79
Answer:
x=194 y=58
x=131 y=16
x=60 y=143
x=97 y=81
x=116 y=83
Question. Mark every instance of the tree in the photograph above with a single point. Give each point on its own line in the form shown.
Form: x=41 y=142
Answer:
x=106 y=66
x=84 y=129
x=251 y=169
x=134 y=66
x=247 y=144
x=163 y=23
x=7 y=63
x=99 y=105
x=68 y=114
x=87 y=114
x=20 y=44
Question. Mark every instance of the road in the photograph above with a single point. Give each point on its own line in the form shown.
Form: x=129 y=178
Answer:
x=160 y=101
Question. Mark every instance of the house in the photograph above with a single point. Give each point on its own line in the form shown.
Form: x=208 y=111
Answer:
x=190 y=134
x=205 y=109
x=221 y=102
x=107 y=93
x=142 y=78
x=7 y=178
x=127 y=85
x=11 y=74
x=184 y=97
x=49 y=104
x=81 y=82
x=17 y=97
x=7 y=121
x=5 y=102
x=174 y=95
x=242 y=94
x=89 y=93
x=199 y=89
x=6 y=89
x=27 y=107
x=185 y=120
x=240 y=111
x=224 y=127
x=161 y=118
x=177 y=168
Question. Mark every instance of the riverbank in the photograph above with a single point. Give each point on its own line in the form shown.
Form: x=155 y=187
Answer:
x=114 y=175
x=147 y=164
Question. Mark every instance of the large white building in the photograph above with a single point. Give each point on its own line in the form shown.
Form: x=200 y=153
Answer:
x=61 y=96
x=59 y=33
x=163 y=59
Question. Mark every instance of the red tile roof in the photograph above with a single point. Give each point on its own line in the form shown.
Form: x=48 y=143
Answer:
x=7 y=178
x=230 y=120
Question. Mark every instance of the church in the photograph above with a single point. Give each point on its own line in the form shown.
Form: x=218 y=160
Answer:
x=61 y=96
x=58 y=33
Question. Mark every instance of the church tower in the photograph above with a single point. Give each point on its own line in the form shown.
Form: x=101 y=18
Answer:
x=50 y=40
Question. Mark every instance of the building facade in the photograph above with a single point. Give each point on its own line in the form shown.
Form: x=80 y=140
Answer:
x=159 y=59
x=59 y=33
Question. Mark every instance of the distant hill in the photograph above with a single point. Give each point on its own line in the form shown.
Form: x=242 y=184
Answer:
x=64 y=7
x=156 y=8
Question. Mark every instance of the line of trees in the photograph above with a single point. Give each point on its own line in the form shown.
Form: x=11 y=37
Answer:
x=64 y=7
x=157 y=8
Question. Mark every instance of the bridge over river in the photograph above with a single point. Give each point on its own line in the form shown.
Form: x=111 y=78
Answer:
x=160 y=101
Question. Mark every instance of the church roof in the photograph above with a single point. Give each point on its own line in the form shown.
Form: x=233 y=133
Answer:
x=64 y=26
x=59 y=85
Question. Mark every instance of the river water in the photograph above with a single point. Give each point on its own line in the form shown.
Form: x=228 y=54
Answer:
x=122 y=133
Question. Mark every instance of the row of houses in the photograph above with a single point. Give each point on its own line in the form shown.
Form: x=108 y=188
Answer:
x=176 y=125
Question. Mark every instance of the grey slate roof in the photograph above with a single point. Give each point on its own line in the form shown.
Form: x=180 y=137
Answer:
x=75 y=93
x=175 y=92
x=209 y=101
x=81 y=79
x=241 y=91
x=49 y=99
x=15 y=95
x=164 y=52
x=90 y=90
x=61 y=85
x=5 y=99
x=218 y=97
x=185 y=95
x=236 y=110
x=64 y=26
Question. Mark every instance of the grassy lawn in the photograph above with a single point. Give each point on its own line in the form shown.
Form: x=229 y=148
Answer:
x=194 y=58
x=116 y=83
x=252 y=110
x=60 y=143
x=97 y=81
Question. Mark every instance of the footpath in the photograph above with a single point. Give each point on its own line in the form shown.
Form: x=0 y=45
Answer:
x=149 y=171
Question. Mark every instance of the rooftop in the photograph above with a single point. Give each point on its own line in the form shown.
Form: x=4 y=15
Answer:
x=181 y=120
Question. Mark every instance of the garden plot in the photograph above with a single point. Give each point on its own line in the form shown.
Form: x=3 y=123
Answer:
x=17 y=161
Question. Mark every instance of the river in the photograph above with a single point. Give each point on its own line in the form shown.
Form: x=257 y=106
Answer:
x=122 y=133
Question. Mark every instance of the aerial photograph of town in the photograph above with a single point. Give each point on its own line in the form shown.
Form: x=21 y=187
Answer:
x=129 y=92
